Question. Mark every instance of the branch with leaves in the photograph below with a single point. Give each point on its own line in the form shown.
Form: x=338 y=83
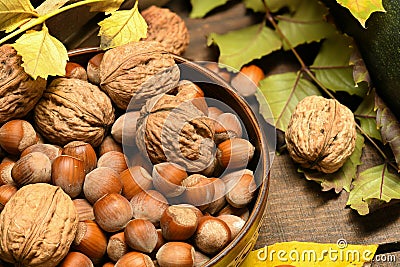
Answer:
x=42 y=54
x=337 y=67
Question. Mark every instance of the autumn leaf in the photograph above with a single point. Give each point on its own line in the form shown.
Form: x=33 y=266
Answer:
x=362 y=9
x=283 y=92
x=201 y=7
x=307 y=24
x=242 y=46
x=360 y=72
x=366 y=114
x=373 y=185
x=50 y=5
x=122 y=27
x=42 y=54
x=389 y=126
x=332 y=69
x=106 y=5
x=342 y=178
x=273 y=5
x=13 y=13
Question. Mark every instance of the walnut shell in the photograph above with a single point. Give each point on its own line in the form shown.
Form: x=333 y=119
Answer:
x=37 y=226
x=173 y=128
x=72 y=109
x=167 y=28
x=136 y=72
x=19 y=93
x=321 y=134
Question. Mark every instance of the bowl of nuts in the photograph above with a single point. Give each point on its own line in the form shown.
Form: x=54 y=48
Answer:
x=137 y=157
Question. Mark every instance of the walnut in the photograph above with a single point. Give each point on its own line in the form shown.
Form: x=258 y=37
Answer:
x=321 y=134
x=19 y=93
x=72 y=109
x=173 y=127
x=37 y=226
x=167 y=28
x=137 y=71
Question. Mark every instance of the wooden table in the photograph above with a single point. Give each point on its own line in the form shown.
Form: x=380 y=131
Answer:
x=297 y=209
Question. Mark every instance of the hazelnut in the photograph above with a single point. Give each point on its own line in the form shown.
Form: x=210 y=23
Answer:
x=212 y=235
x=124 y=128
x=235 y=153
x=117 y=246
x=134 y=180
x=240 y=187
x=32 y=168
x=199 y=191
x=6 y=192
x=136 y=259
x=149 y=205
x=108 y=264
x=243 y=213
x=160 y=241
x=114 y=160
x=214 y=112
x=168 y=177
x=247 y=80
x=219 y=200
x=112 y=212
x=200 y=259
x=51 y=151
x=178 y=223
x=11 y=159
x=176 y=254
x=68 y=173
x=109 y=144
x=213 y=66
x=99 y=182
x=141 y=235
x=84 y=209
x=16 y=135
x=93 y=68
x=90 y=240
x=235 y=223
x=5 y=173
x=74 y=259
x=83 y=151
x=227 y=125
x=136 y=158
x=74 y=70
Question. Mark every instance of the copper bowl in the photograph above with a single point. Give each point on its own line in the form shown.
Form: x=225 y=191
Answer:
x=216 y=88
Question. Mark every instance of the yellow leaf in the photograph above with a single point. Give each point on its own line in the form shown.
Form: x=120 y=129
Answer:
x=14 y=13
x=122 y=27
x=305 y=254
x=42 y=54
x=362 y=9
x=105 y=6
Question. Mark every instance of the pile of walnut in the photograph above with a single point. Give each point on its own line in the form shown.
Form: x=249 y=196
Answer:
x=71 y=196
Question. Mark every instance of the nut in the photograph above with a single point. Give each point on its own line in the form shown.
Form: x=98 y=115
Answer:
x=235 y=153
x=124 y=128
x=243 y=213
x=168 y=177
x=199 y=191
x=234 y=223
x=32 y=168
x=136 y=259
x=160 y=241
x=175 y=254
x=84 y=209
x=240 y=188
x=74 y=259
x=82 y=151
x=178 y=223
x=141 y=235
x=74 y=70
x=19 y=93
x=5 y=173
x=109 y=144
x=114 y=160
x=71 y=109
x=247 y=80
x=112 y=212
x=137 y=71
x=90 y=240
x=134 y=180
x=93 y=68
x=117 y=246
x=51 y=151
x=40 y=218
x=214 y=67
x=68 y=173
x=16 y=135
x=227 y=125
x=219 y=200
x=214 y=112
x=108 y=264
x=6 y=192
x=321 y=134
x=212 y=235
x=167 y=28
x=99 y=182
x=149 y=205
x=200 y=259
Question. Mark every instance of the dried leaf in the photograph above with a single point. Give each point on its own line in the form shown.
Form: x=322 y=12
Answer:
x=50 y=5
x=374 y=185
x=283 y=92
x=122 y=27
x=13 y=13
x=306 y=25
x=201 y=7
x=360 y=72
x=342 y=178
x=366 y=114
x=361 y=10
x=332 y=69
x=242 y=46
x=389 y=126
x=42 y=54
x=273 y=5
x=106 y=6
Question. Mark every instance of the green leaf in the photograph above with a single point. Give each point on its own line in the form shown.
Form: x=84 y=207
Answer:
x=332 y=69
x=122 y=27
x=282 y=92
x=366 y=114
x=201 y=7
x=242 y=46
x=42 y=54
x=306 y=25
x=389 y=126
x=106 y=5
x=50 y=5
x=273 y=5
x=342 y=178
x=373 y=185
x=13 y=13
x=361 y=10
